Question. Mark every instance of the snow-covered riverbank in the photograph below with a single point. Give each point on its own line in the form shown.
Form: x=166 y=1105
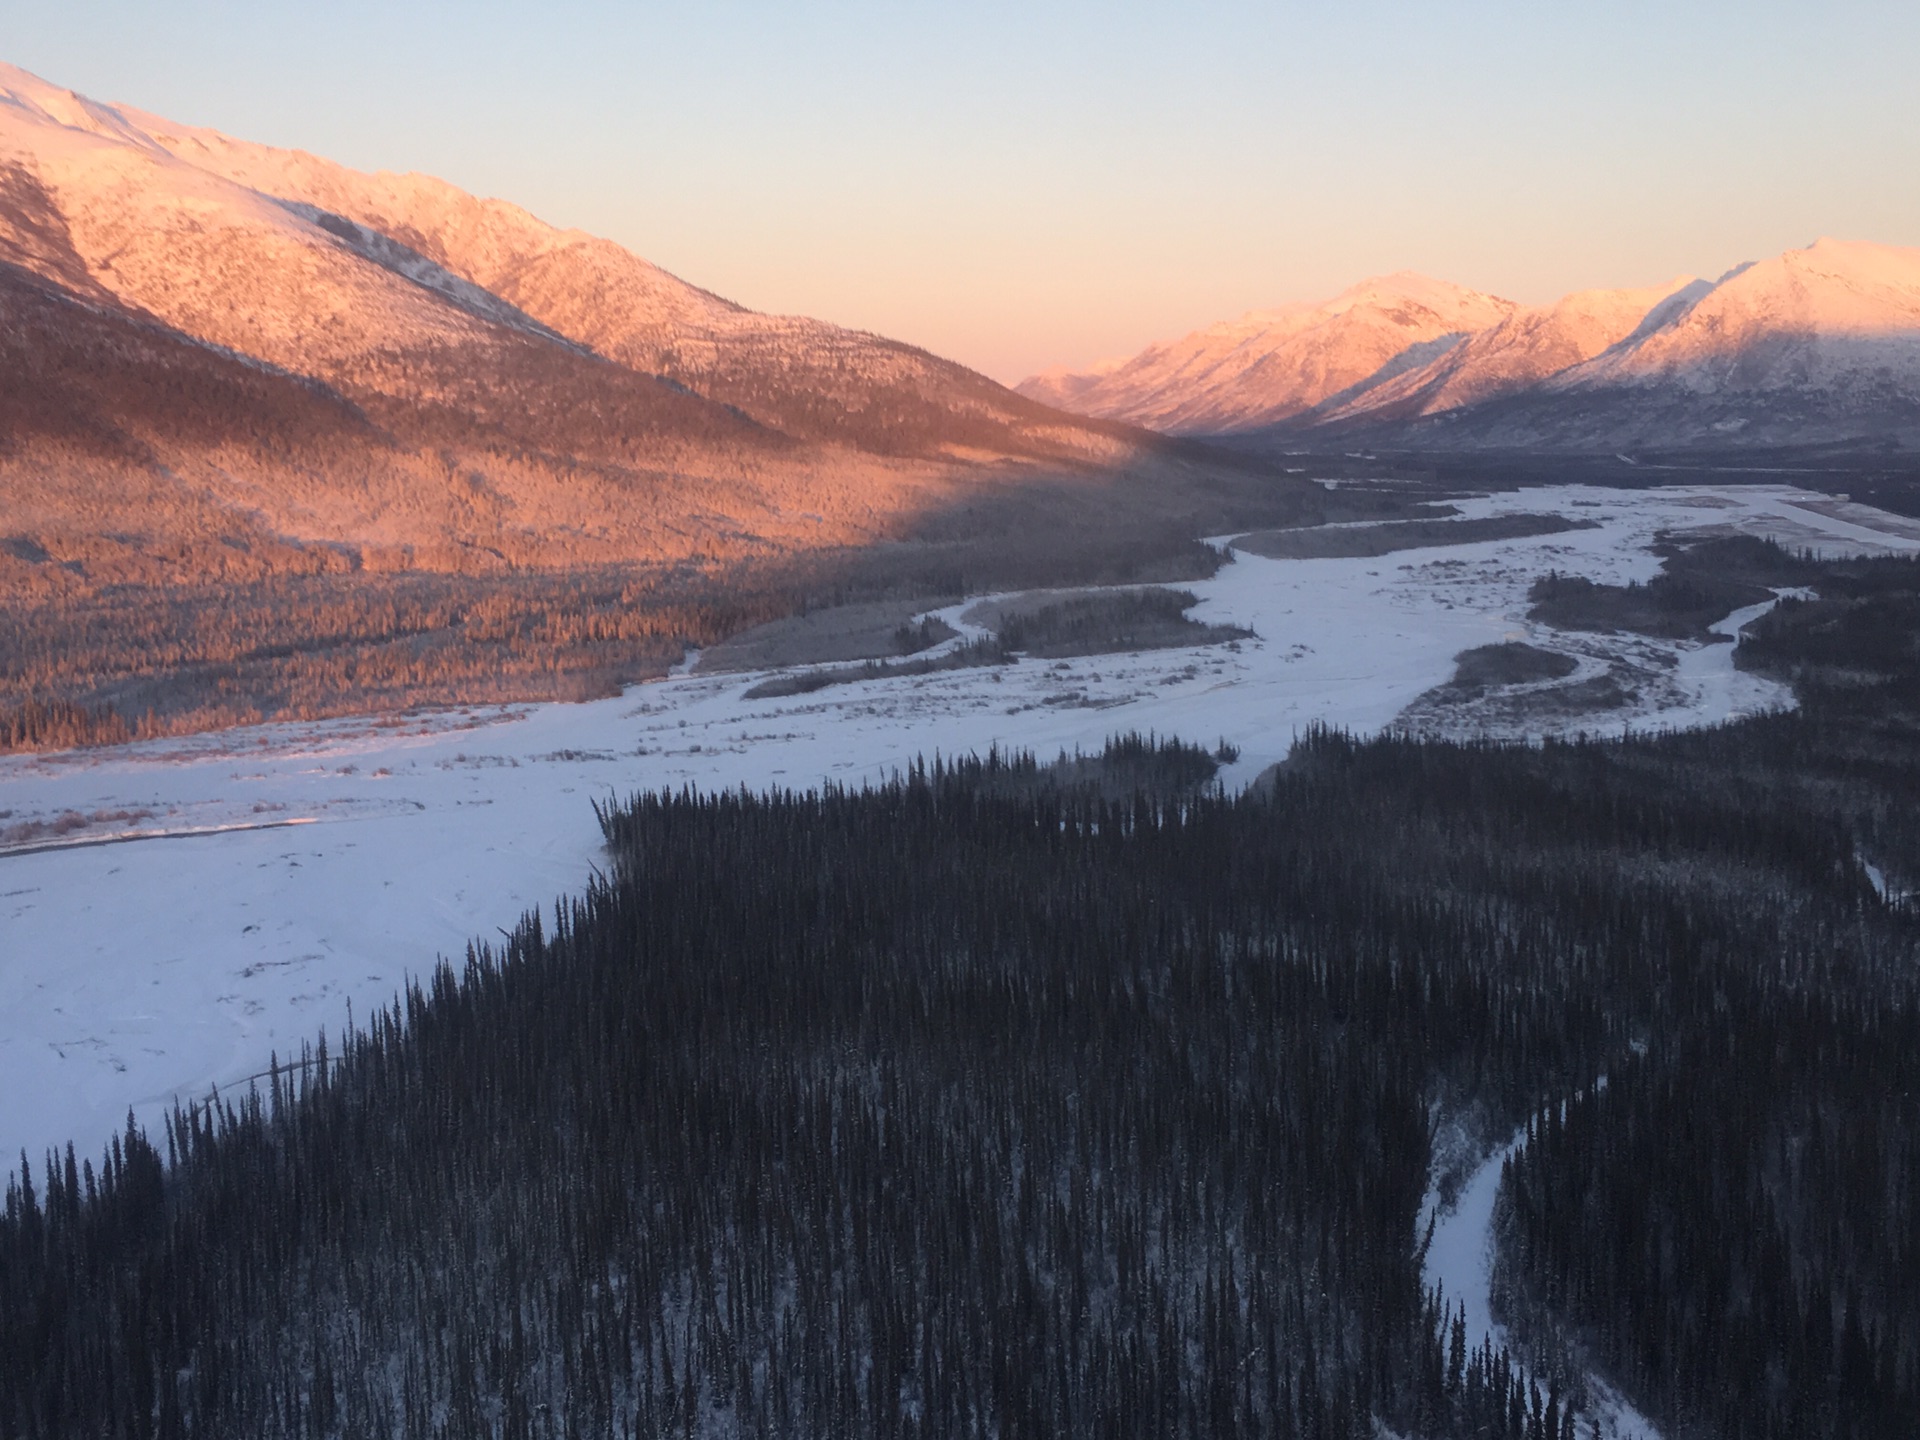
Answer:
x=330 y=861
x=1459 y=1261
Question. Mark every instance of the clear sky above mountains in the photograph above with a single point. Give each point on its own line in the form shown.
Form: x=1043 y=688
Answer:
x=1022 y=184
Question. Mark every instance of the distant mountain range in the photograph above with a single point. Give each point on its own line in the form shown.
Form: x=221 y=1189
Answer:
x=1815 y=346
x=222 y=359
x=1271 y=365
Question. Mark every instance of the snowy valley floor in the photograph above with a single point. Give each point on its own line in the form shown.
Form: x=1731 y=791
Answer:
x=173 y=913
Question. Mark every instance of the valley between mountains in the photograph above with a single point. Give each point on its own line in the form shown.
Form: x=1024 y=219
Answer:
x=450 y=825
x=410 y=445
x=579 y=859
x=125 y=987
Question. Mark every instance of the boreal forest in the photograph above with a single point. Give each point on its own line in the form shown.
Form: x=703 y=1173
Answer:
x=1088 y=1100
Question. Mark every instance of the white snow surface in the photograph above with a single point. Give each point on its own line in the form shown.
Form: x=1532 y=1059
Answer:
x=1459 y=1256
x=173 y=912
x=1459 y=1260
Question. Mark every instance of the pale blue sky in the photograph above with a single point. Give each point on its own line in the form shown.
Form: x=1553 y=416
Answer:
x=1018 y=185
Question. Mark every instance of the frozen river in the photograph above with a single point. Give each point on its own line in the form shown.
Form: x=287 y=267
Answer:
x=259 y=881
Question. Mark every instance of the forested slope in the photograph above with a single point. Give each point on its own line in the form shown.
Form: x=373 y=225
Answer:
x=1006 y=1102
x=230 y=374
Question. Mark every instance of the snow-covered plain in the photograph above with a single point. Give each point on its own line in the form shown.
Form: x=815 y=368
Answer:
x=174 y=912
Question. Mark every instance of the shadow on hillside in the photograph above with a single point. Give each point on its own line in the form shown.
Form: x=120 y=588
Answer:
x=93 y=663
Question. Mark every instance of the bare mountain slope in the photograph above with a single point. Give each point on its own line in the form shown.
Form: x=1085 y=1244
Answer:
x=1271 y=365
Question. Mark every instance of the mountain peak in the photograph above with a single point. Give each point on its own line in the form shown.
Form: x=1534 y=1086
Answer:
x=1833 y=314
x=1814 y=346
x=1406 y=285
x=1808 y=346
x=30 y=98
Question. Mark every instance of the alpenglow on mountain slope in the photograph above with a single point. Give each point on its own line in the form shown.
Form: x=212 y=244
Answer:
x=233 y=360
x=803 y=376
x=1819 y=344
x=1525 y=348
x=1271 y=365
x=1814 y=346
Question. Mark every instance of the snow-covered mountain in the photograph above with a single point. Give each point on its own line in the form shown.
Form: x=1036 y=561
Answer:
x=1819 y=346
x=805 y=376
x=1815 y=319
x=1269 y=366
x=1526 y=348
x=1062 y=385
x=384 y=367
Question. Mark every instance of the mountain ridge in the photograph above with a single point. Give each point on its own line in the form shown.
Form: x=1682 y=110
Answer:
x=1525 y=348
x=1267 y=366
x=493 y=391
x=279 y=438
x=1819 y=345
x=612 y=301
